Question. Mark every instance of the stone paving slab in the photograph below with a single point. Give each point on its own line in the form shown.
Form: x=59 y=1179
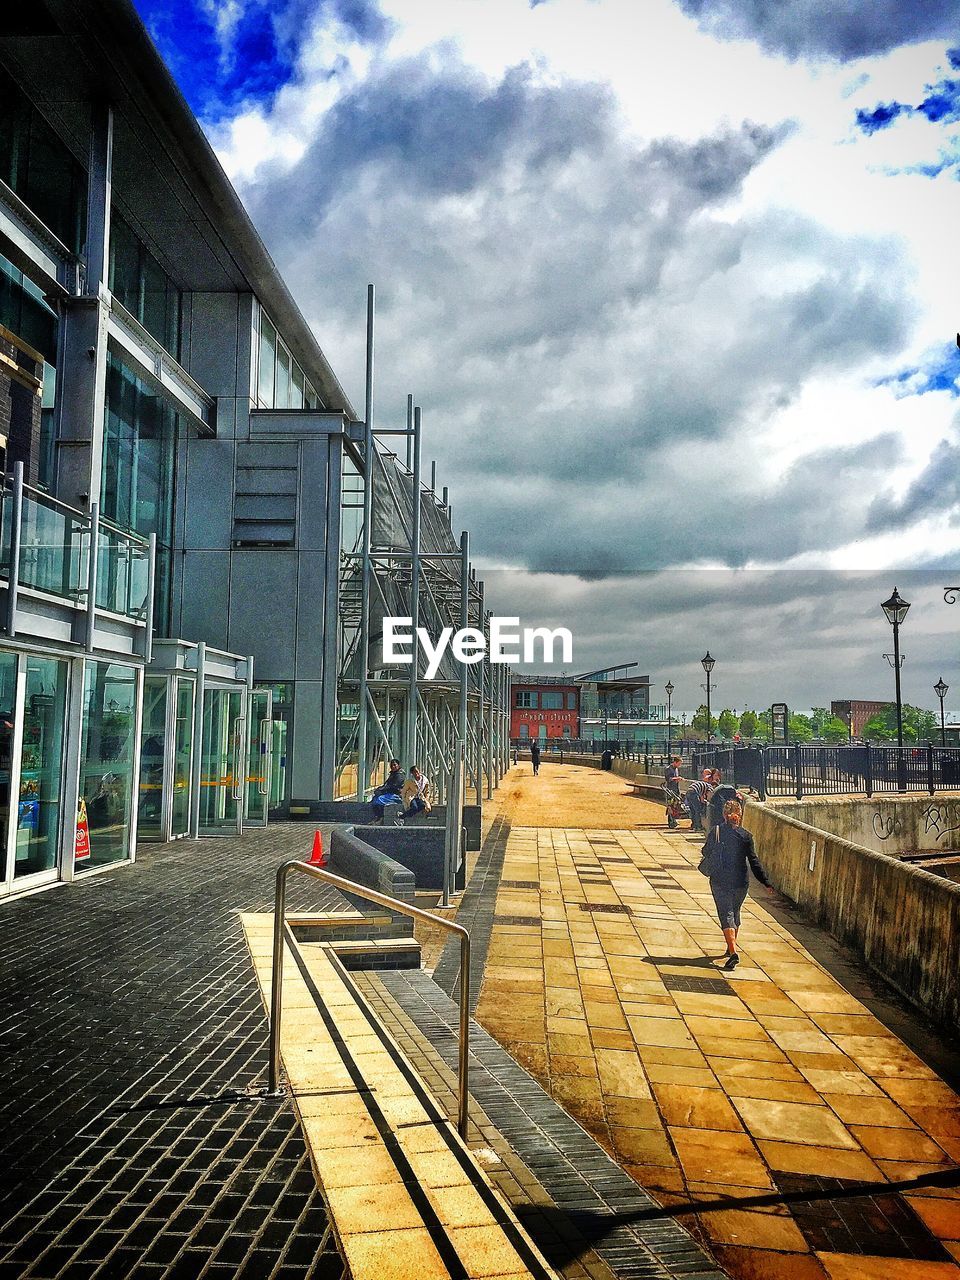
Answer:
x=131 y=1139
x=728 y=1090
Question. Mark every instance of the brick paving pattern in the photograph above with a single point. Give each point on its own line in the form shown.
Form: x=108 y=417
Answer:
x=131 y=1136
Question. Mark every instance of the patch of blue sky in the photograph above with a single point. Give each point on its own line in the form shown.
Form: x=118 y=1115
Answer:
x=941 y=104
x=940 y=373
x=219 y=70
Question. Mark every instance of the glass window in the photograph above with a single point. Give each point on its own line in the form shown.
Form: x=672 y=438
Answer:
x=571 y=702
x=139 y=283
x=150 y=796
x=139 y=457
x=310 y=398
x=108 y=751
x=267 y=362
x=282 y=392
x=524 y=731
x=551 y=701
x=24 y=312
x=38 y=822
x=8 y=699
x=40 y=167
x=296 y=392
x=541 y=731
x=567 y=731
x=526 y=698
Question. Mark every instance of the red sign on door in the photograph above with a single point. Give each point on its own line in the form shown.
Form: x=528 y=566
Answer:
x=82 y=847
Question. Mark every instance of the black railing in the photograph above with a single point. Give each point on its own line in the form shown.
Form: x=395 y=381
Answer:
x=803 y=770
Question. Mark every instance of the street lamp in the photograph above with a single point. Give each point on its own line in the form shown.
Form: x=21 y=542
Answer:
x=668 y=689
x=895 y=610
x=940 y=689
x=708 y=664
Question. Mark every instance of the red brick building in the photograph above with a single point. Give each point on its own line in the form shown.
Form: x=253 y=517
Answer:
x=857 y=712
x=544 y=707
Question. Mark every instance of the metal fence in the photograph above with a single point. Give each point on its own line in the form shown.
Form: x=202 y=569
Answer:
x=801 y=770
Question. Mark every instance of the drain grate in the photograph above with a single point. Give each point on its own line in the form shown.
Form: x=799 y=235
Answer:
x=837 y=1220
x=605 y=857
x=701 y=986
x=520 y=884
x=529 y=920
x=608 y=908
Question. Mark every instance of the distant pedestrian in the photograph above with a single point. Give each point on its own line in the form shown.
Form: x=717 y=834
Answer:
x=535 y=756
x=516 y=755
x=671 y=790
x=697 y=796
x=728 y=858
x=720 y=796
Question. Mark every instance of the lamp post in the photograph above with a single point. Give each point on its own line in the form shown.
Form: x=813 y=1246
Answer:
x=668 y=689
x=895 y=610
x=940 y=689
x=708 y=664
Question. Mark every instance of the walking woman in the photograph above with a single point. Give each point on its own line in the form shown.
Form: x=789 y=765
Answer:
x=728 y=859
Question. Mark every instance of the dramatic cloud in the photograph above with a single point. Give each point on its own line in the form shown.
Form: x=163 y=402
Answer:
x=845 y=29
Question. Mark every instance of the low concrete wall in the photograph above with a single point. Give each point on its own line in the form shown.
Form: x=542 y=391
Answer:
x=353 y=812
x=354 y=859
x=887 y=824
x=419 y=849
x=903 y=921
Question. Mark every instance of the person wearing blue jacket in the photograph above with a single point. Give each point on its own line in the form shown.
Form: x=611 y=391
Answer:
x=730 y=857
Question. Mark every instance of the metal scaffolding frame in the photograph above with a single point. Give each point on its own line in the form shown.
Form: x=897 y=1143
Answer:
x=400 y=558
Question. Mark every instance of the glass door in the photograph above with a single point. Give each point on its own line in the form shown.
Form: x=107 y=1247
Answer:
x=8 y=766
x=152 y=757
x=223 y=759
x=182 y=758
x=259 y=764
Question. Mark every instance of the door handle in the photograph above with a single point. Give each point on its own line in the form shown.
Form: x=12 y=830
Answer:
x=264 y=783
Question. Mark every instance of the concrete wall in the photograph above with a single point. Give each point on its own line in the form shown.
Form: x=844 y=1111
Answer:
x=891 y=824
x=419 y=849
x=904 y=922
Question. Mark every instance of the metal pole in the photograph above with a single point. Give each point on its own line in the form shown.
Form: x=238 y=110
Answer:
x=276 y=982
x=16 y=533
x=461 y=741
x=92 y=572
x=414 y=594
x=901 y=780
x=708 y=709
x=943 y=727
x=409 y=428
x=364 y=653
x=491 y=721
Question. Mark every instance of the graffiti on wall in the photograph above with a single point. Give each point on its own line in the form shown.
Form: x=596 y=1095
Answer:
x=885 y=825
x=944 y=819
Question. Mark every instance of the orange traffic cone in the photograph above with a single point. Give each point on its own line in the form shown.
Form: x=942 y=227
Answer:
x=318 y=858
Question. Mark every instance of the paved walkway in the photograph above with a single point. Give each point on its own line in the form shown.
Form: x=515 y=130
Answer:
x=132 y=1142
x=748 y=1093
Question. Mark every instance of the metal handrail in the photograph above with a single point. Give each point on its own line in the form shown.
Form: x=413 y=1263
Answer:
x=381 y=899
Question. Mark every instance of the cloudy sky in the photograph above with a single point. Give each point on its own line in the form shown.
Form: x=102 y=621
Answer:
x=675 y=282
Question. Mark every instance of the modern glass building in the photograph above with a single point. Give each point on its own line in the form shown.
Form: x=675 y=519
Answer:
x=178 y=460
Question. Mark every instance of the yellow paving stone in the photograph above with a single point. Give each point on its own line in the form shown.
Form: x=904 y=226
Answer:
x=848 y=1266
x=793 y=1122
x=355 y=1167
x=632 y=1113
x=566 y=1064
x=822 y=1162
x=567 y=1044
x=461 y=1207
x=735 y=1067
x=847 y=1081
x=389 y=1205
x=604 y=1015
x=663 y=1032
x=857 y=1109
x=604 y=1038
x=941 y=1216
x=667 y=1054
x=485 y=1251
x=323 y=1130
x=896 y=1144
x=710 y=1156
x=622 y=1073
x=668 y=1073
x=762 y=1230
x=693 y=1108
x=776 y=1090
x=692 y=1002
x=393 y=1255
x=727 y=1028
x=653 y=1007
x=941 y=1122
x=921 y=1093
x=642 y=1146
x=859 y=1024
x=755 y=1050
x=764 y=1264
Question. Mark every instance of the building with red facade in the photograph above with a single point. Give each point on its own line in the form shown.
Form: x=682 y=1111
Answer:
x=856 y=712
x=544 y=707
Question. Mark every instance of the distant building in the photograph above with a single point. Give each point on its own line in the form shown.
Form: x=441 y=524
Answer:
x=857 y=712
x=544 y=707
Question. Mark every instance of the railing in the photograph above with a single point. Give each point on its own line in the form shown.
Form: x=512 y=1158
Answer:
x=45 y=546
x=802 y=770
x=393 y=904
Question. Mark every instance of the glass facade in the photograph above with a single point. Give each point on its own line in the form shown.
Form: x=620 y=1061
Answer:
x=182 y=745
x=40 y=168
x=140 y=284
x=41 y=765
x=108 y=752
x=139 y=470
x=8 y=703
x=281 y=383
x=152 y=742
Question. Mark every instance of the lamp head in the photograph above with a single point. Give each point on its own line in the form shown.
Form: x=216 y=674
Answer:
x=940 y=689
x=895 y=608
x=707 y=662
